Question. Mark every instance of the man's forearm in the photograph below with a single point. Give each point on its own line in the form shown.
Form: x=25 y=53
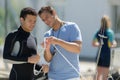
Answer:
x=47 y=55
x=74 y=47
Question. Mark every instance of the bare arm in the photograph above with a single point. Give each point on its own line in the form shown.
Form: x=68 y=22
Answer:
x=95 y=43
x=113 y=44
x=34 y=59
x=74 y=47
x=47 y=54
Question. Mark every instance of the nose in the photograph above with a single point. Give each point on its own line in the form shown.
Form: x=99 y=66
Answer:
x=33 y=23
x=46 y=22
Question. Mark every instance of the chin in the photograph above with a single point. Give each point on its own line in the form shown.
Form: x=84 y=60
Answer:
x=29 y=30
x=50 y=25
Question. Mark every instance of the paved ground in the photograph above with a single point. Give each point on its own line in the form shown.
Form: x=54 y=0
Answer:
x=87 y=69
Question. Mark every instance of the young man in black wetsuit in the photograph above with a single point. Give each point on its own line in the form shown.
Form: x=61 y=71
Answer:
x=20 y=47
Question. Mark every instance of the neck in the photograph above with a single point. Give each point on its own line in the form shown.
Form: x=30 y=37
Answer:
x=24 y=29
x=58 y=24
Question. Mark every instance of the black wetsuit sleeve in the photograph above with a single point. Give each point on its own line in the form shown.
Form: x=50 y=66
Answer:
x=8 y=47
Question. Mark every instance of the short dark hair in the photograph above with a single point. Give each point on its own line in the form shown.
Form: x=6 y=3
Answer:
x=26 y=11
x=46 y=9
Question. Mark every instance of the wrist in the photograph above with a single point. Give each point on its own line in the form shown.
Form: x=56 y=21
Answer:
x=28 y=60
x=58 y=41
x=47 y=51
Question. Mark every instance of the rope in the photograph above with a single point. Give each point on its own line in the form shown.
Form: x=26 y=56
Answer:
x=37 y=72
x=69 y=62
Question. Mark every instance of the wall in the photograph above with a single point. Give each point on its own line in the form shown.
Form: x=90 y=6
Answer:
x=87 y=15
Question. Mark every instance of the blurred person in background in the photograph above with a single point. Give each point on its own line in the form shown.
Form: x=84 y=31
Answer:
x=105 y=40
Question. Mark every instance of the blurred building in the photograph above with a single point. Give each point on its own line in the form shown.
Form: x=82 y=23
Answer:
x=87 y=14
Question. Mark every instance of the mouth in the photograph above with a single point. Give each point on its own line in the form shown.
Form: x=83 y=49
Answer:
x=31 y=27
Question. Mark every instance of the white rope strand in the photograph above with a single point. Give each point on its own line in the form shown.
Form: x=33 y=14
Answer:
x=68 y=62
x=37 y=72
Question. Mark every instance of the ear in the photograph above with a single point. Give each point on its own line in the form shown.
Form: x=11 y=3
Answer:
x=21 y=20
x=54 y=13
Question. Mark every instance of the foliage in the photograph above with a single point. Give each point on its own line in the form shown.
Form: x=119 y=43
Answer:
x=2 y=22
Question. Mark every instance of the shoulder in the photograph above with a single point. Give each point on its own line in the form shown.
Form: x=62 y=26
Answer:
x=31 y=35
x=71 y=25
x=48 y=33
x=12 y=34
x=110 y=31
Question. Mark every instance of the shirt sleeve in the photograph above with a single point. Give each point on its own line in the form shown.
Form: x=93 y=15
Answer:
x=111 y=36
x=8 y=49
x=75 y=33
x=95 y=38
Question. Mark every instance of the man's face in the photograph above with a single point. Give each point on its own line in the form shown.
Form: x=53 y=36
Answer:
x=48 y=18
x=28 y=23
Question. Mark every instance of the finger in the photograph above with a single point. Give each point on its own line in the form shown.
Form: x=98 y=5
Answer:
x=42 y=44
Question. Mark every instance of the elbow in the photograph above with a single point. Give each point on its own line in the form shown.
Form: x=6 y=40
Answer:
x=95 y=44
x=4 y=56
x=79 y=49
x=5 y=59
x=48 y=60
